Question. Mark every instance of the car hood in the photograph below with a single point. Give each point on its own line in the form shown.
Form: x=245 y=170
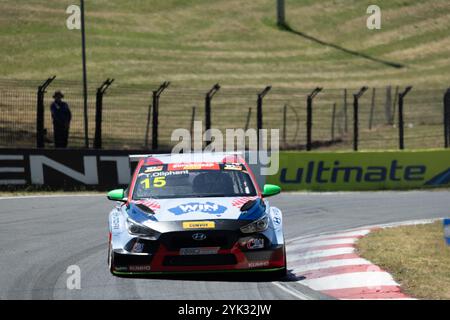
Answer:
x=192 y=208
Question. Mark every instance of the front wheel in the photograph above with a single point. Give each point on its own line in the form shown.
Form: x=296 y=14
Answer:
x=110 y=259
x=281 y=273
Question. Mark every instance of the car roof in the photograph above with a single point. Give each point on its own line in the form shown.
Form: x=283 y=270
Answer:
x=215 y=157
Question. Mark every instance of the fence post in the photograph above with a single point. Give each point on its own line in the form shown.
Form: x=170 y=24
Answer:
x=333 y=121
x=284 y=124
x=388 y=105
x=259 y=114
x=372 y=109
x=247 y=121
x=309 y=117
x=447 y=118
x=281 y=20
x=191 y=130
x=99 y=112
x=192 y=120
x=345 y=112
x=147 y=127
x=401 y=124
x=40 y=141
x=155 y=113
x=209 y=95
x=356 y=97
x=394 y=104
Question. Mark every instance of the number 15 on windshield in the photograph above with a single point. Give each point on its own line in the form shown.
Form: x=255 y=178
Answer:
x=157 y=182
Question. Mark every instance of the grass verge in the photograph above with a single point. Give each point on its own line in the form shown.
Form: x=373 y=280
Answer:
x=416 y=256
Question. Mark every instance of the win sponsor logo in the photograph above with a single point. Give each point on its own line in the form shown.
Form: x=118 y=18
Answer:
x=208 y=207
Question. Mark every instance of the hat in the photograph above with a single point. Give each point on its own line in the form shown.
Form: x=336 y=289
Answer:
x=58 y=94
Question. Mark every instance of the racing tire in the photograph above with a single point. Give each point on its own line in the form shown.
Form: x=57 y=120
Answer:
x=281 y=273
x=110 y=259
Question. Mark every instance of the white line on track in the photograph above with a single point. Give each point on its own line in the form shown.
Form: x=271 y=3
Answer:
x=331 y=264
x=292 y=292
x=323 y=236
x=322 y=253
x=350 y=280
x=318 y=243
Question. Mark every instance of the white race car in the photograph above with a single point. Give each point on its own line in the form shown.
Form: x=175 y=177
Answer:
x=180 y=215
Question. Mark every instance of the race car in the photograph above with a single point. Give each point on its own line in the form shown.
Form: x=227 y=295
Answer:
x=185 y=215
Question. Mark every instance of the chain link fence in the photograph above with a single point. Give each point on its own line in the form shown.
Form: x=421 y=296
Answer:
x=127 y=115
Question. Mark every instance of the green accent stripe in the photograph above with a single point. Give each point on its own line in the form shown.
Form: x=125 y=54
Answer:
x=197 y=272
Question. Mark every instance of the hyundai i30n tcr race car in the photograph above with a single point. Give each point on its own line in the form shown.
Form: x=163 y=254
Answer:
x=180 y=215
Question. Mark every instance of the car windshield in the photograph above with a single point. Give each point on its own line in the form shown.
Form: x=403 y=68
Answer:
x=190 y=180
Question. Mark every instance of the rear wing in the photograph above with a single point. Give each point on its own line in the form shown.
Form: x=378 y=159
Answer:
x=138 y=157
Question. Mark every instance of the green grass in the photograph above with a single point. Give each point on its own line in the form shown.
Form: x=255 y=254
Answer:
x=196 y=43
x=234 y=42
x=416 y=256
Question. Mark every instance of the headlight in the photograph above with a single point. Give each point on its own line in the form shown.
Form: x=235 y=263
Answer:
x=256 y=226
x=138 y=229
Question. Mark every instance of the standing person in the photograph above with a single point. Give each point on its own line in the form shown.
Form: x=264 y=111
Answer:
x=61 y=116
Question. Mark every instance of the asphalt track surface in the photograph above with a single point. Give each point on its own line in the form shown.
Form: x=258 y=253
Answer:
x=41 y=236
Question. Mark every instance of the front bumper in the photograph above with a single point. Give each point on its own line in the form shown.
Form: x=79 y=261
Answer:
x=178 y=252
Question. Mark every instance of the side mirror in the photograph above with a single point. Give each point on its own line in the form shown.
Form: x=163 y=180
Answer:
x=117 y=195
x=271 y=190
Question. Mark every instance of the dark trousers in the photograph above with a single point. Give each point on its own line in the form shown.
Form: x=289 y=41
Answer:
x=61 y=135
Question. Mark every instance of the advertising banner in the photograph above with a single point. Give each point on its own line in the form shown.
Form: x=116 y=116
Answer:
x=72 y=168
x=381 y=170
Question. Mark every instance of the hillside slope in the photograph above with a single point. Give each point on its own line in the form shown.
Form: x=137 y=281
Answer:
x=200 y=42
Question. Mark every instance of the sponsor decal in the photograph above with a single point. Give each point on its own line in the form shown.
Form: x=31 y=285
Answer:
x=199 y=225
x=121 y=269
x=198 y=251
x=193 y=166
x=199 y=236
x=255 y=243
x=115 y=222
x=152 y=204
x=153 y=169
x=258 y=264
x=277 y=220
x=232 y=166
x=137 y=247
x=239 y=202
x=169 y=173
x=276 y=217
x=139 y=268
x=447 y=231
x=208 y=207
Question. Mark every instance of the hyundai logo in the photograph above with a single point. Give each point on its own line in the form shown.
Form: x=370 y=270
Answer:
x=199 y=236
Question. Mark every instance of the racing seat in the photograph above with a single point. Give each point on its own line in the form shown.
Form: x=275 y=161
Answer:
x=213 y=183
